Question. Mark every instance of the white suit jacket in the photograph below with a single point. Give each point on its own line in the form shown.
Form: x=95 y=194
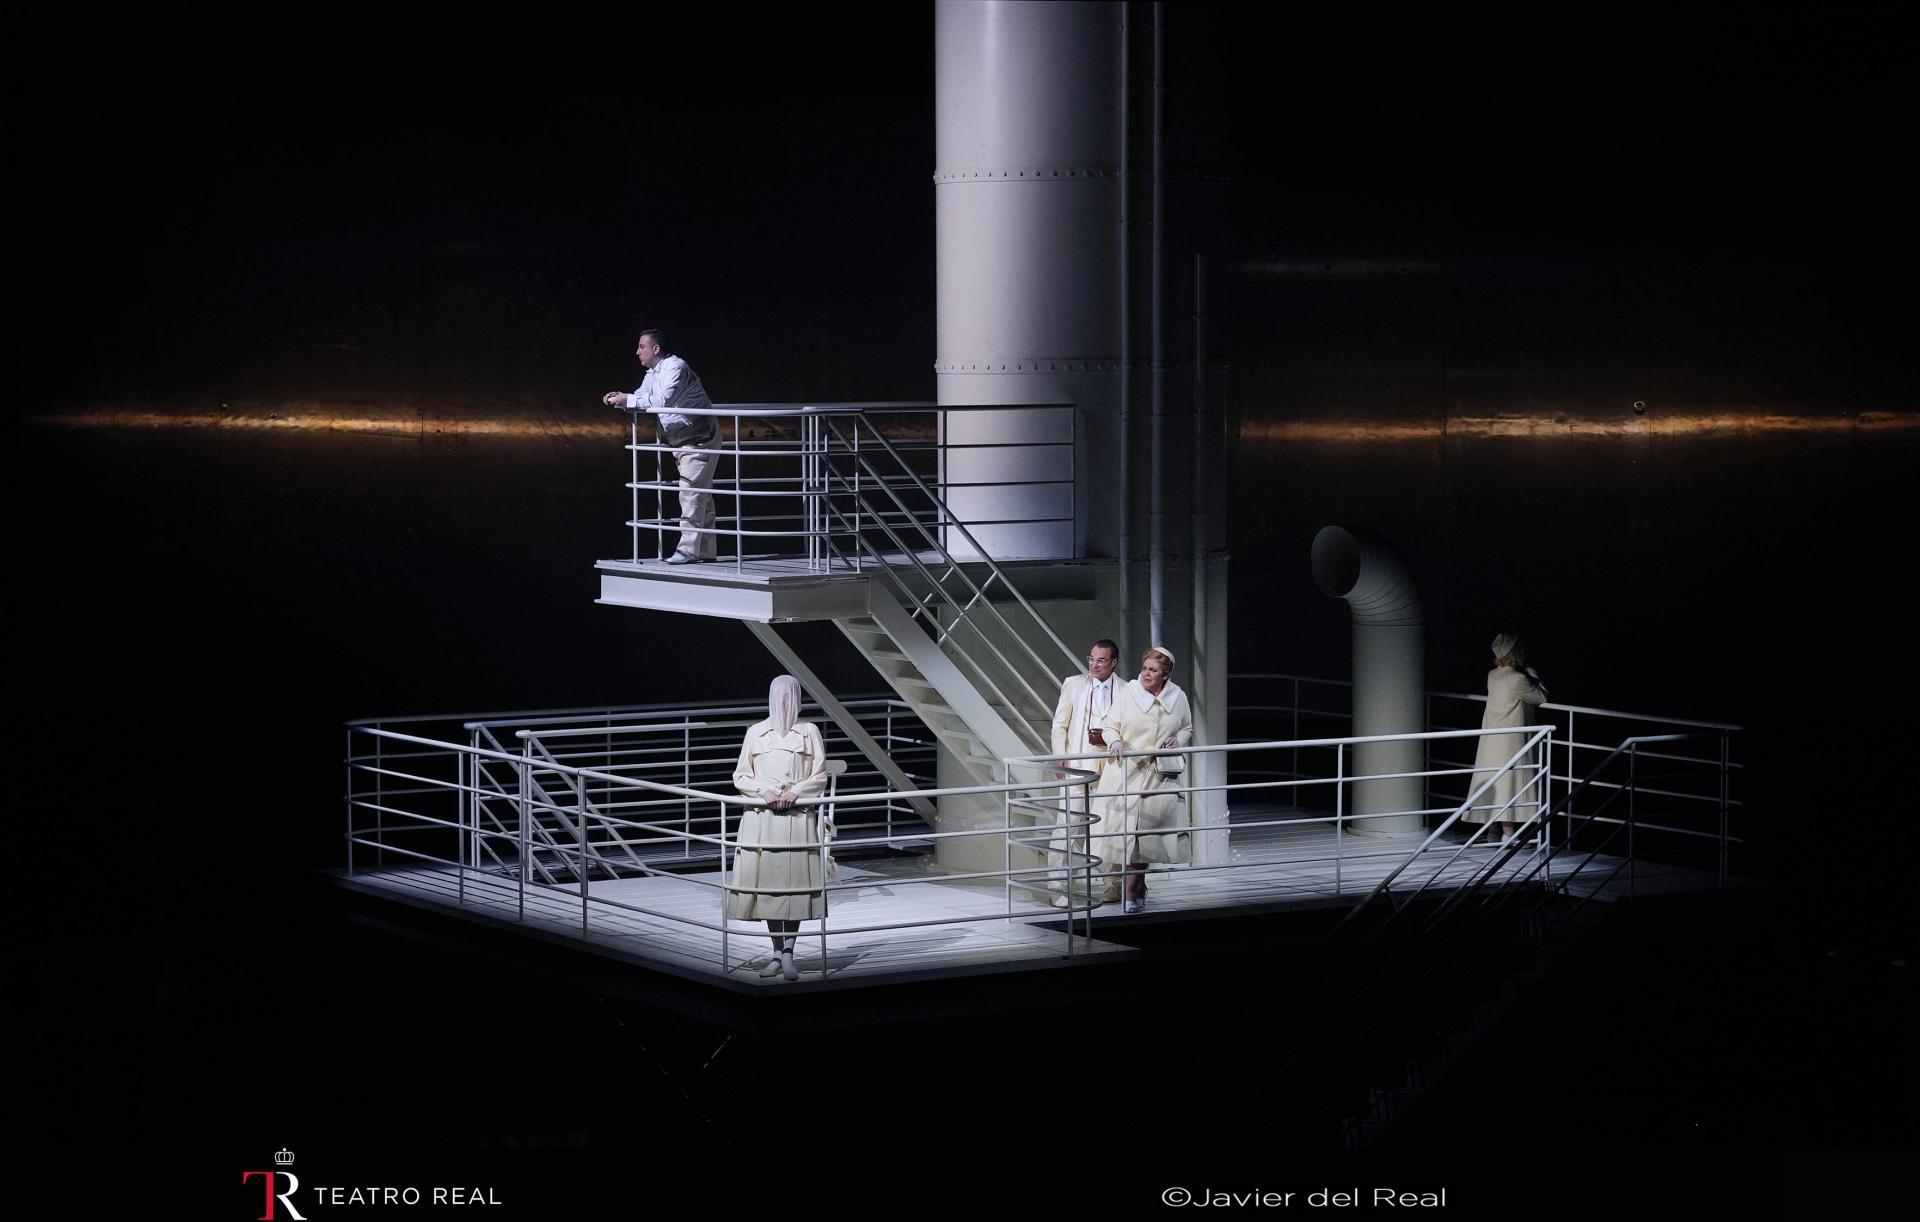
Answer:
x=1070 y=722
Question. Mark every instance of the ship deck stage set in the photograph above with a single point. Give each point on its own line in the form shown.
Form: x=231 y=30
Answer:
x=942 y=928
x=491 y=824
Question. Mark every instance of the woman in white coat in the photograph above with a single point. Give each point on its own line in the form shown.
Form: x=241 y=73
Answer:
x=777 y=864
x=1150 y=713
x=1513 y=691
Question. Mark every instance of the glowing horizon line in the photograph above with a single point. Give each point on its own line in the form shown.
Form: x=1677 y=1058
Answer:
x=1558 y=426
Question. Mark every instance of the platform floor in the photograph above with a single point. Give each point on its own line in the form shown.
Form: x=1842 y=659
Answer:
x=957 y=927
x=751 y=567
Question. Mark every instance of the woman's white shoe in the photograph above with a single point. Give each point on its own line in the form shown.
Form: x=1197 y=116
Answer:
x=787 y=970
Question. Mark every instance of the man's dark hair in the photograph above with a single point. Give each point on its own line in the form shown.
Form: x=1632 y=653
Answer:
x=1111 y=647
x=659 y=337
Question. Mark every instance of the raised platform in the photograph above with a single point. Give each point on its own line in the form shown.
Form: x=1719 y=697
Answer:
x=768 y=589
x=941 y=927
x=785 y=588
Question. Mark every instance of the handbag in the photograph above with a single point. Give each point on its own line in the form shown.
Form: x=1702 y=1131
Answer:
x=1170 y=765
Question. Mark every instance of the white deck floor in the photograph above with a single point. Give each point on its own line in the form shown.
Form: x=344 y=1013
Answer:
x=751 y=567
x=955 y=927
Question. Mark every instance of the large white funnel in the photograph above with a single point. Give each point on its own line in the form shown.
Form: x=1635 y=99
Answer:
x=1026 y=208
x=1389 y=670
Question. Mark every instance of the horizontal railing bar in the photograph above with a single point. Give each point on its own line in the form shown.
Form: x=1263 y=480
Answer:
x=1481 y=698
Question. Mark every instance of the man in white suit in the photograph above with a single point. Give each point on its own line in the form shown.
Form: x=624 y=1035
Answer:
x=1084 y=700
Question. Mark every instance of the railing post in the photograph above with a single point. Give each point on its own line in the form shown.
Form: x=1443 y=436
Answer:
x=826 y=902
x=1339 y=812
x=1633 y=794
x=379 y=801
x=461 y=847
x=349 y=802
x=1296 y=727
x=580 y=816
x=659 y=496
x=476 y=807
x=1086 y=917
x=1725 y=767
x=1573 y=756
x=633 y=482
x=807 y=473
x=525 y=767
x=726 y=871
x=1006 y=838
x=686 y=782
x=859 y=506
x=738 y=538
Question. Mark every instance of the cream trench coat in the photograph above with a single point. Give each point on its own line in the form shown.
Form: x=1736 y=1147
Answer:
x=1069 y=737
x=1511 y=697
x=777 y=866
x=1129 y=799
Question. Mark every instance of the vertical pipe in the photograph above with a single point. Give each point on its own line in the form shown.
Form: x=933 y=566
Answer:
x=1126 y=332
x=1156 y=514
x=580 y=817
x=659 y=495
x=633 y=478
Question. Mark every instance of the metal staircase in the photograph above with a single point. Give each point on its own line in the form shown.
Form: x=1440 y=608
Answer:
x=979 y=665
x=847 y=523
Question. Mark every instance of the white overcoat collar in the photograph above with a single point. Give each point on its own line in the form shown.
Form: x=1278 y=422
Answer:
x=1145 y=699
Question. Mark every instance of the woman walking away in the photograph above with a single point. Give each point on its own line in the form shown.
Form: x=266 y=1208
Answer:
x=1514 y=689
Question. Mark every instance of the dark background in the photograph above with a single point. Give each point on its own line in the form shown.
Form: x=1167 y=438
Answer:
x=1430 y=223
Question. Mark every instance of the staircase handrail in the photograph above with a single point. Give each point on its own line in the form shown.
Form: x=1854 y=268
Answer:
x=949 y=518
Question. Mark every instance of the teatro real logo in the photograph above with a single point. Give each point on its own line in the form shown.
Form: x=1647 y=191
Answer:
x=278 y=1186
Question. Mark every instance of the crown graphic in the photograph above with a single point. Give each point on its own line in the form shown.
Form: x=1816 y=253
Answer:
x=284 y=1158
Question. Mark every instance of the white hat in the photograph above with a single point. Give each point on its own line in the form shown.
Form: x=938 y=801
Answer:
x=1163 y=650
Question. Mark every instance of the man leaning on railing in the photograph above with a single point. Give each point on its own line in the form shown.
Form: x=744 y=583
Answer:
x=669 y=386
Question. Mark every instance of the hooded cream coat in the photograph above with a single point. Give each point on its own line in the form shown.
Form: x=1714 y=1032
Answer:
x=777 y=868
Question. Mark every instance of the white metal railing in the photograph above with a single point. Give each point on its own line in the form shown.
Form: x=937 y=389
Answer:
x=792 y=477
x=940 y=587
x=529 y=808
x=1686 y=789
x=401 y=781
x=857 y=487
x=1042 y=829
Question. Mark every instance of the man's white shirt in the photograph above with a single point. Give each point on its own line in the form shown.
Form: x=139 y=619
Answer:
x=669 y=385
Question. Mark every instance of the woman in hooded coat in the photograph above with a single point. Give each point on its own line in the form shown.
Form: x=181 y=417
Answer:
x=778 y=862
